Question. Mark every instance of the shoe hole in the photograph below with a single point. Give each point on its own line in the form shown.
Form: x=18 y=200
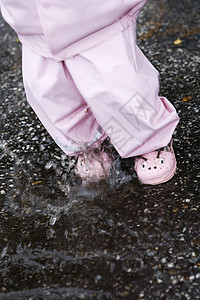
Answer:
x=144 y=164
x=161 y=161
x=155 y=167
x=149 y=168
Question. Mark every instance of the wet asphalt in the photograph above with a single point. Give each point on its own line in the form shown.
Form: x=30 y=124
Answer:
x=120 y=240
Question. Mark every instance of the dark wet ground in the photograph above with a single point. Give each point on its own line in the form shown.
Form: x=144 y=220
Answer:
x=124 y=240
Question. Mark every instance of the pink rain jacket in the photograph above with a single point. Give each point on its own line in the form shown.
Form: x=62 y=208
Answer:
x=64 y=28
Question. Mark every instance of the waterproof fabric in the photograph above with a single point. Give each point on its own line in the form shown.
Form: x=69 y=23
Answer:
x=95 y=82
x=59 y=105
x=64 y=28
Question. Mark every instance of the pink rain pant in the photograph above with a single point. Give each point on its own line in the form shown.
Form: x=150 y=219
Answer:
x=108 y=90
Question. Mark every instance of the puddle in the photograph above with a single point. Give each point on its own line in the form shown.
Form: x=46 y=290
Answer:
x=115 y=240
x=57 y=190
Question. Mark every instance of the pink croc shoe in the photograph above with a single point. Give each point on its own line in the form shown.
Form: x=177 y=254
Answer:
x=157 y=166
x=93 y=167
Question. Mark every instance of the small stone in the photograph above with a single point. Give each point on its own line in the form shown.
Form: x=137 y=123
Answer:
x=49 y=165
x=53 y=220
x=191 y=277
x=124 y=294
x=187 y=200
x=97 y=278
x=141 y=294
x=172 y=272
x=170 y=265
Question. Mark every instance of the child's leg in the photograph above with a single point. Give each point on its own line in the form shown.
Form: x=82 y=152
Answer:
x=54 y=97
x=121 y=87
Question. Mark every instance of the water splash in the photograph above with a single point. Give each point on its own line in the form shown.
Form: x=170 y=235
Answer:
x=57 y=190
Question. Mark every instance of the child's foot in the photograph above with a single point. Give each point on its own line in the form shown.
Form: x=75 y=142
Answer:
x=93 y=167
x=157 y=166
